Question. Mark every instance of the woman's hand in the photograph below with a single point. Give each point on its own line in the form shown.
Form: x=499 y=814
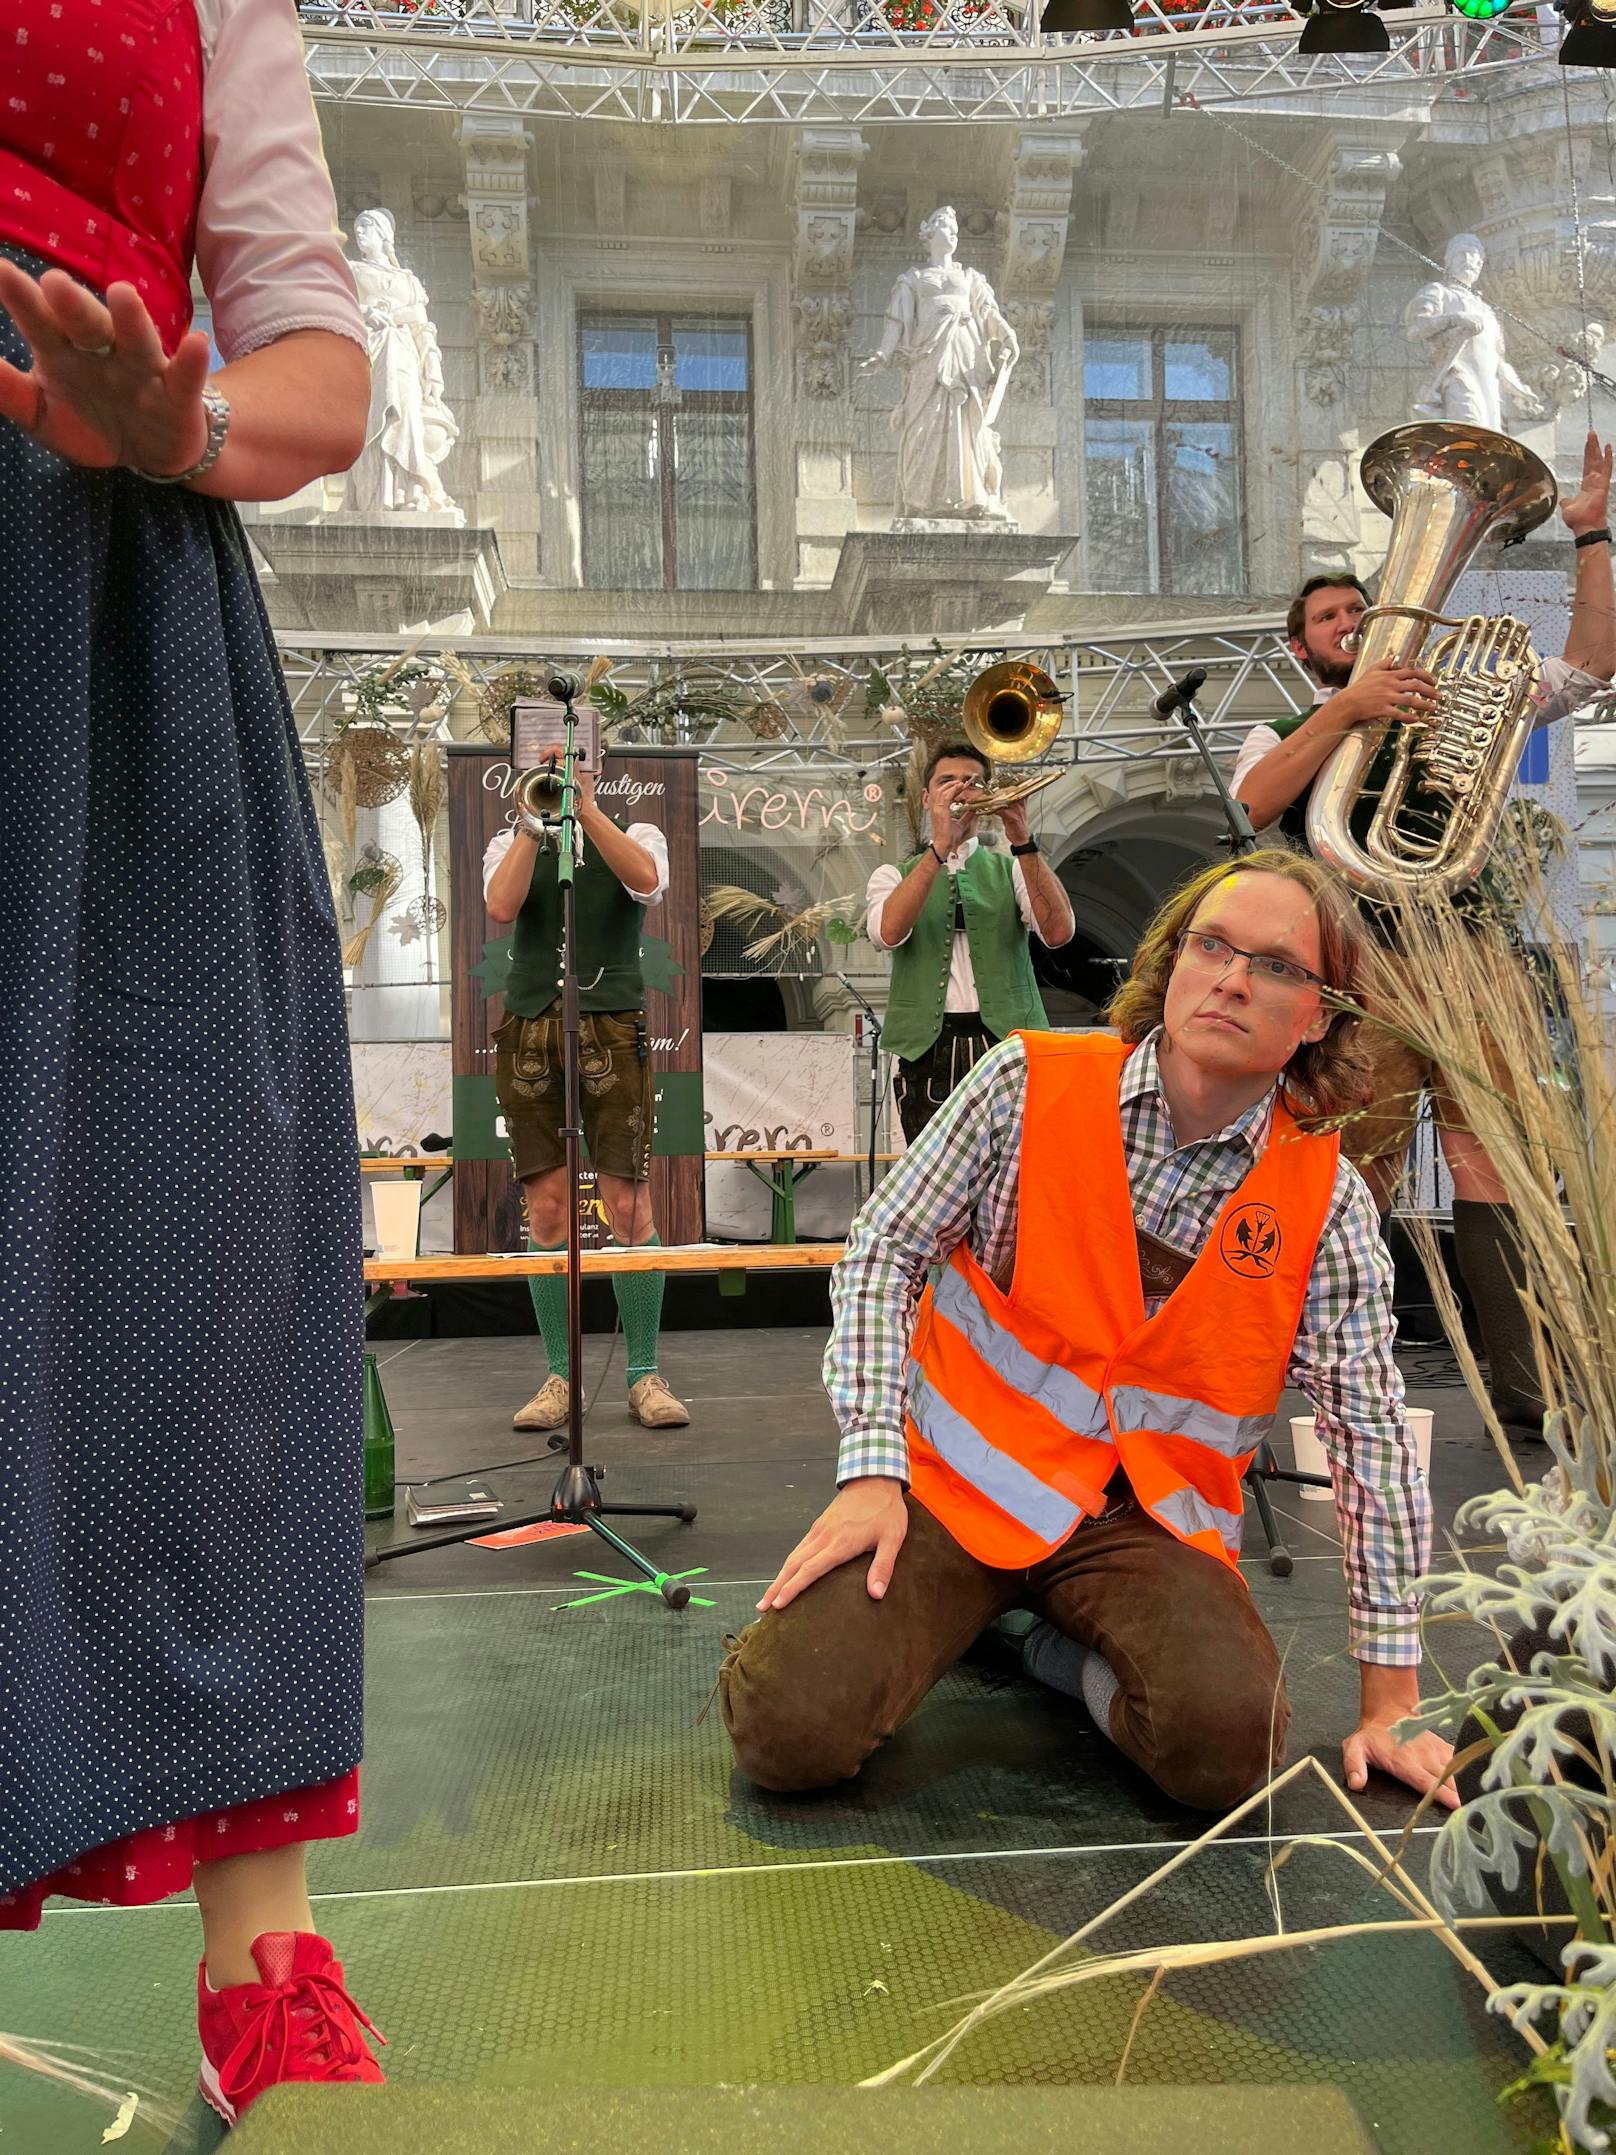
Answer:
x=101 y=390
x=1588 y=509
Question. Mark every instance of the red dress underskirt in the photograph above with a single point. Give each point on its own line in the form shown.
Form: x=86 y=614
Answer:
x=149 y=1866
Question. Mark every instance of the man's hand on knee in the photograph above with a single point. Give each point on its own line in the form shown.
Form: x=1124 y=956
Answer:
x=867 y=1514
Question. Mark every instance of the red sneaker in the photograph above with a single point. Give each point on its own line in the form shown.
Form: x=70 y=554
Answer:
x=297 y=2024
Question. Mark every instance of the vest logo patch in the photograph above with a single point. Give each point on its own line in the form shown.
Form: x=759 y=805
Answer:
x=1250 y=1242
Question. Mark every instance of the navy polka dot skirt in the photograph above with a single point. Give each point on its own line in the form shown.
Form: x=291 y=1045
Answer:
x=180 y=1294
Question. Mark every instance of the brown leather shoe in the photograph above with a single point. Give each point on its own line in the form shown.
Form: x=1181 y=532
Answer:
x=547 y=1409
x=653 y=1406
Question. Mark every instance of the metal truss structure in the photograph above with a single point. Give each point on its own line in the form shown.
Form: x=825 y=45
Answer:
x=761 y=706
x=790 y=62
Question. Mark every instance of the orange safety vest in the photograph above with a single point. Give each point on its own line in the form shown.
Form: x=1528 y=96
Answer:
x=1021 y=1404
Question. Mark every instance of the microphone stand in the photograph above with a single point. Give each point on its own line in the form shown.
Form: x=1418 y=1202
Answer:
x=1180 y=702
x=874 y=1025
x=576 y=1499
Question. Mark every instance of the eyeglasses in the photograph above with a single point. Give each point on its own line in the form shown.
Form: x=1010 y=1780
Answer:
x=1215 y=955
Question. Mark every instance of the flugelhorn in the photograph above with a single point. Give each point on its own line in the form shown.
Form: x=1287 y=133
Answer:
x=1447 y=489
x=1011 y=714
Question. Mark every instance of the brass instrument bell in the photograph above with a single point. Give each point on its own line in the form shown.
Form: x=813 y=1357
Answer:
x=1011 y=714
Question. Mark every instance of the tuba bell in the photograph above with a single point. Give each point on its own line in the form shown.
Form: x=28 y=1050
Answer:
x=1447 y=489
x=1011 y=714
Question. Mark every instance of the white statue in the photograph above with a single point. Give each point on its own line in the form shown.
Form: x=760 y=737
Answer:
x=1449 y=319
x=955 y=350
x=410 y=429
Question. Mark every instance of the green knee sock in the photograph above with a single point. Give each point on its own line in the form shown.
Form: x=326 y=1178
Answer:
x=639 y=1298
x=549 y=1293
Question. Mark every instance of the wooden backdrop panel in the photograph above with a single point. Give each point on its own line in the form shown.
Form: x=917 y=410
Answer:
x=650 y=785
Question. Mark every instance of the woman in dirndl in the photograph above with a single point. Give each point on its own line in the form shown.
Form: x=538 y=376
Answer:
x=180 y=1299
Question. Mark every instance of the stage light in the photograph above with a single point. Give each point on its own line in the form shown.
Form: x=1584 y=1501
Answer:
x=1479 y=10
x=1590 y=39
x=1068 y=18
x=1342 y=26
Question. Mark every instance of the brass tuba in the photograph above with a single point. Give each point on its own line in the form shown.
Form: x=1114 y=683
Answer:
x=1447 y=489
x=1011 y=714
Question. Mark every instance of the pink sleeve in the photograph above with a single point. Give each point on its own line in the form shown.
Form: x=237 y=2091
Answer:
x=266 y=240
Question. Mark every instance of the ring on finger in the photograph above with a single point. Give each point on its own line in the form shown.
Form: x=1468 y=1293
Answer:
x=94 y=351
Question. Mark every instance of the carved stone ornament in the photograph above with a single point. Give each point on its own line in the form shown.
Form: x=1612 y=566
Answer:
x=1033 y=321
x=507 y=368
x=1321 y=345
x=502 y=312
x=825 y=169
x=498 y=237
x=822 y=325
x=1337 y=242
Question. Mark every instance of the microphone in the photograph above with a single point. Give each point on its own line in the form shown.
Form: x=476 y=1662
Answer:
x=563 y=687
x=1181 y=693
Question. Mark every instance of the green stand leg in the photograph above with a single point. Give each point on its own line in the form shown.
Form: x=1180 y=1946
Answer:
x=378 y=1445
x=783 y=1209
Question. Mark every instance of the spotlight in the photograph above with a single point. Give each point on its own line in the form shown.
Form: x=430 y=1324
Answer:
x=1590 y=39
x=1479 y=10
x=1068 y=18
x=1342 y=26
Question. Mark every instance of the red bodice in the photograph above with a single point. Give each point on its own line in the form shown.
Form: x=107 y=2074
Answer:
x=101 y=143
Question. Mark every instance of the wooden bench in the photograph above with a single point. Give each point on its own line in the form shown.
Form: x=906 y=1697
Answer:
x=724 y=1258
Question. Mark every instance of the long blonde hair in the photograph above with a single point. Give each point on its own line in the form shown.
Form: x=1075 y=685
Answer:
x=1325 y=1078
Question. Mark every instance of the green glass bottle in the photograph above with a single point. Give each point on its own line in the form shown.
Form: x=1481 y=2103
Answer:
x=378 y=1446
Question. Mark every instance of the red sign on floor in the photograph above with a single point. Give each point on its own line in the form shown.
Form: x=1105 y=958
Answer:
x=518 y=1537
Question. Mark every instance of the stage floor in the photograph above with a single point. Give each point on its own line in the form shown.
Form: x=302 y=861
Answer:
x=560 y=1882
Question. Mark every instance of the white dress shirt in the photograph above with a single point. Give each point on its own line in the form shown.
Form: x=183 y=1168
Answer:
x=266 y=227
x=644 y=835
x=962 y=994
x=1560 y=690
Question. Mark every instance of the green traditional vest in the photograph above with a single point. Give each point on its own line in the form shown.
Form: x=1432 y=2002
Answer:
x=1005 y=988
x=610 y=924
x=1422 y=812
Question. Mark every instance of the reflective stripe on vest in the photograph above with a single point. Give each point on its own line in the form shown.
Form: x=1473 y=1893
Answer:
x=1054 y=1389
x=1020 y=1495
x=1188 y=1511
x=1233 y=1435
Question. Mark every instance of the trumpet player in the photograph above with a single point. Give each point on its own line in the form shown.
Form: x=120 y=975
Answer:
x=1273 y=778
x=957 y=917
x=620 y=873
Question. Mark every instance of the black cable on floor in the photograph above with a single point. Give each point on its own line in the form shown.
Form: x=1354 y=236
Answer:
x=538 y=1459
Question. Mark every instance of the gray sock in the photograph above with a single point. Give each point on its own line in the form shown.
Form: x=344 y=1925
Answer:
x=1062 y=1664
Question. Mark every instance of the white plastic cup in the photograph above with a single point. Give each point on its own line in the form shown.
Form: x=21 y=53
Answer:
x=396 y=1208
x=1307 y=1453
x=1419 y=1421
x=1307 y=1456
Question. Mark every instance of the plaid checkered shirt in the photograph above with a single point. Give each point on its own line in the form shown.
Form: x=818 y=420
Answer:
x=959 y=1183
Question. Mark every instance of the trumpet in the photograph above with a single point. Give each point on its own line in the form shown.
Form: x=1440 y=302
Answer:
x=1011 y=714
x=994 y=800
x=538 y=792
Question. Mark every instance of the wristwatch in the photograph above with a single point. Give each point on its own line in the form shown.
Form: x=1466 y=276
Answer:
x=1021 y=852
x=1592 y=538
x=218 y=411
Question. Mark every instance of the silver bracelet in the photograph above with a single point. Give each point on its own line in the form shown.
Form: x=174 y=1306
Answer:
x=218 y=411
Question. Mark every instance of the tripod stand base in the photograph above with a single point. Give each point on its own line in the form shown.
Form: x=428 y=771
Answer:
x=1263 y=1469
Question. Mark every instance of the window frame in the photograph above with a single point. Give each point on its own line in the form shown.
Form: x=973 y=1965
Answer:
x=1158 y=411
x=743 y=402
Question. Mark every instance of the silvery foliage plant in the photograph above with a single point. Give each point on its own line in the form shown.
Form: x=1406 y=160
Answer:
x=1547 y=1784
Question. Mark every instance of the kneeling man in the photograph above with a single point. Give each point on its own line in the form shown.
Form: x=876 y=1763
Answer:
x=1136 y=1243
